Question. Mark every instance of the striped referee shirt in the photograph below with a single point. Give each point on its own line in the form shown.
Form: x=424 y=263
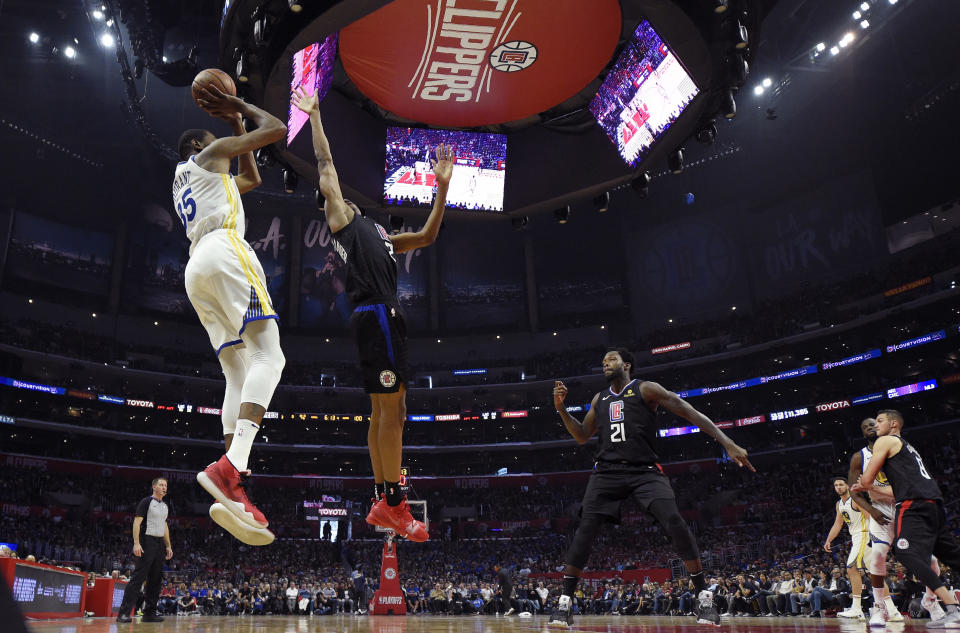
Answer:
x=154 y=515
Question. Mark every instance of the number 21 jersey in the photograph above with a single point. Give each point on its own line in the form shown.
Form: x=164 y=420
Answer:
x=627 y=429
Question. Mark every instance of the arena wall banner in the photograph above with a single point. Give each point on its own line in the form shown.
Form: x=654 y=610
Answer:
x=475 y=62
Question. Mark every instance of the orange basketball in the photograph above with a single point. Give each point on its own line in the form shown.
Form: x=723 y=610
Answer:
x=215 y=77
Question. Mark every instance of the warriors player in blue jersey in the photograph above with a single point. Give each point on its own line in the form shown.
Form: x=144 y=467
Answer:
x=626 y=466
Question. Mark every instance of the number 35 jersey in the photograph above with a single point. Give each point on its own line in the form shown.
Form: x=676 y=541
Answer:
x=627 y=429
x=206 y=201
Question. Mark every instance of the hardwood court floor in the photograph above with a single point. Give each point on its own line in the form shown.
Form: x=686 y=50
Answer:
x=459 y=624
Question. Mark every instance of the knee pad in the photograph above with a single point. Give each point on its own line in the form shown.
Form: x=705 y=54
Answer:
x=263 y=375
x=583 y=539
x=877 y=559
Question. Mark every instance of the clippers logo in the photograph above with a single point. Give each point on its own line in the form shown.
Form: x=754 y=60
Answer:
x=390 y=573
x=510 y=57
x=903 y=544
x=616 y=411
x=388 y=378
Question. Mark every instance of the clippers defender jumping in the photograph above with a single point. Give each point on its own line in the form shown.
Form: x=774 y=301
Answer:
x=378 y=323
x=227 y=287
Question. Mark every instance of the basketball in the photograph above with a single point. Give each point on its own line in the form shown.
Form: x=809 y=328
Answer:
x=213 y=77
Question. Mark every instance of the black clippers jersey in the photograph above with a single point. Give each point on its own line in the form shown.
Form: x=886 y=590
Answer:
x=909 y=477
x=366 y=249
x=627 y=429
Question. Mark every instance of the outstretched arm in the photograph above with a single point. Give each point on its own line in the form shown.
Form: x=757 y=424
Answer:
x=655 y=393
x=581 y=431
x=443 y=170
x=338 y=213
x=217 y=155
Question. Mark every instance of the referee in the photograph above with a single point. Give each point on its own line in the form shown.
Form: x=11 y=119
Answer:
x=150 y=536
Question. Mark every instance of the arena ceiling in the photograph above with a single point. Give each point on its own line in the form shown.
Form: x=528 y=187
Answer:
x=883 y=104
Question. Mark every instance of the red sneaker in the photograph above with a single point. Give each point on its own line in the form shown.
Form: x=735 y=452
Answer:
x=222 y=481
x=376 y=515
x=404 y=524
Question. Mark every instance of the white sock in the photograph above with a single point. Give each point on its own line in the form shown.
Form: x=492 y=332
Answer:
x=891 y=607
x=855 y=605
x=242 y=443
x=878 y=597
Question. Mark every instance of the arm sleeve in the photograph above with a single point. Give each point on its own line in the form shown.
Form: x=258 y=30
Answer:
x=143 y=507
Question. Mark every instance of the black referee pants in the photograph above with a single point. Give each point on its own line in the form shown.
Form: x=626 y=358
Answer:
x=150 y=569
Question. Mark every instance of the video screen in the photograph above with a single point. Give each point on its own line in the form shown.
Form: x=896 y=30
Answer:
x=645 y=92
x=312 y=69
x=45 y=590
x=480 y=162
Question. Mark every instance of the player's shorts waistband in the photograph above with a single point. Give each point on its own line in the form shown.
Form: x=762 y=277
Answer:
x=372 y=301
x=912 y=501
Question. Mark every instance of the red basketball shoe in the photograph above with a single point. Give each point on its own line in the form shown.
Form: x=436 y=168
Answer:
x=398 y=519
x=222 y=480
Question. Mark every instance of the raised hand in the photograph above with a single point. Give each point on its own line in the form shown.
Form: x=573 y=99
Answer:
x=443 y=164
x=559 y=395
x=305 y=100
x=218 y=104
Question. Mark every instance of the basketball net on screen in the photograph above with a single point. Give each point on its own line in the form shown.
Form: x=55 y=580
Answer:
x=389 y=598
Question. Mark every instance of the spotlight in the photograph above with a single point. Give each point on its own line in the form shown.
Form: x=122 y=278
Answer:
x=865 y=24
x=892 y=1
x=520 y=223
x=70 y=52
x=34 y=38
x=821 y=47
x=602 y=202
x=396 y=223
x=318 y=196
x=107 y=40
x=864 y=6
x=741 y=37
x=97 y=14
x=675 y=161
x=641 y=184
x=289 y=180
x=758 y=90
x=109 y=22
x=243 y=69
x=562 y=214
x=767 y=82
x=834 y=50
x=729 y=105
x=296 y=6
x=707 y=133
x=857 y=15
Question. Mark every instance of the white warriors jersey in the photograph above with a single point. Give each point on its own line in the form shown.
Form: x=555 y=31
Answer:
x=206 y=201
x=880 y=482
x=854 y=519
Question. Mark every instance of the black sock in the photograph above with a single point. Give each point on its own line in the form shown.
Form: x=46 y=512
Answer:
x=698 y=582
x=394 y=496
x=569 y=585
x=378 y=489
